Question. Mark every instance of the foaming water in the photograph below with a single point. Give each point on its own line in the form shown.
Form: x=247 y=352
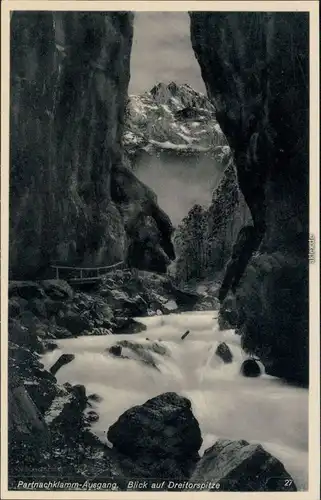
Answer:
x=263 y=409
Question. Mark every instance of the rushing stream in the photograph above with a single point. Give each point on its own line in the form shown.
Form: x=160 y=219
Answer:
x=226 y=404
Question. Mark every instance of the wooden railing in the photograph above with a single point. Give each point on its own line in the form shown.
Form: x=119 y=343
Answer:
x=76 y=274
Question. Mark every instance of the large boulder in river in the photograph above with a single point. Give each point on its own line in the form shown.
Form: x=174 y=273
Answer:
x=161 y=437
x=241 y=466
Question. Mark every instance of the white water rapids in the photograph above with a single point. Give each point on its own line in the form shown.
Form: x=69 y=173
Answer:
x=226 y=404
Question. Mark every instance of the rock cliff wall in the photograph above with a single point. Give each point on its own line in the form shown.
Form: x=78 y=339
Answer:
x=69 y=80
x=256 y=70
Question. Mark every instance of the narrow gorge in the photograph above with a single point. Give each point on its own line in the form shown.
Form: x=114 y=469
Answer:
x=200 y=338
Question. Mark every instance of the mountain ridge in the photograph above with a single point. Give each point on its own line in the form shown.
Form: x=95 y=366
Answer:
x=173 y=117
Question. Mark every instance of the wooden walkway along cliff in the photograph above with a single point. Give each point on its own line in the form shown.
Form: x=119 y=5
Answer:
x=83 y=275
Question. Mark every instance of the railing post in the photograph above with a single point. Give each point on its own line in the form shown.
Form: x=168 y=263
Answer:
x=57 y=273
x=81 y=274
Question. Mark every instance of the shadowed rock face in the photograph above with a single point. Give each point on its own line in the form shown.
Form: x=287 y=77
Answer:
x=69 y=80
x=255 y=86
x=255 y=67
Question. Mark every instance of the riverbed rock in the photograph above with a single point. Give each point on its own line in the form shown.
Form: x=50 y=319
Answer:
x=241 y=466
x=92 y=416
x=139 y=352
x=139 y=347
x=64 y=359
x=127 y=325
x=224 y=352
x=250 y=368
x=95 y=398
x=115 y=350
x=162 y=436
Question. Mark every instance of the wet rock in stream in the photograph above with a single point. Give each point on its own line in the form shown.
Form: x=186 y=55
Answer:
x=241 y=466
x=250 y=368
x=224 y=352
x=63 y=360
x=160 y=438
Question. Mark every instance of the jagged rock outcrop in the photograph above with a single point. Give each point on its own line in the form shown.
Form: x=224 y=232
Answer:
x=255 y=86
x=159 y=439
x=241 y=466
x=69 y=80
x=227 y=214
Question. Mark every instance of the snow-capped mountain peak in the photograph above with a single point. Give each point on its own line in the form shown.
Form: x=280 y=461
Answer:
x=172 y=117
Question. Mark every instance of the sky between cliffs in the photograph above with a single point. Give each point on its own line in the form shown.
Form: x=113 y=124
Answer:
x=162 y=52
